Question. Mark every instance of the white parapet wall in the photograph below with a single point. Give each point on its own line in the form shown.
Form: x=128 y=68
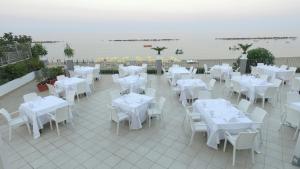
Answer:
x=14 y=84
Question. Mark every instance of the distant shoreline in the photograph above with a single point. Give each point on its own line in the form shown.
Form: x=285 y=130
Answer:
x=143 y=40
x=46 y=41
x=260 y=38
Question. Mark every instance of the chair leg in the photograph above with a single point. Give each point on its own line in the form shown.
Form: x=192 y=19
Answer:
x=28 y=128
x=58 y=132
x=225 y=144
x=118 y=126
x=149 y=119
x=263 y=102
x=50 y=121
x=296 y=133
x=192 y=137
x=252 y=154
x=260 y=136
x=9 y=133
x=233 y=158
x=239 y=97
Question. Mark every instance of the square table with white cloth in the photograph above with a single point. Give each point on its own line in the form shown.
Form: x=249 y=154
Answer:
x=252 y=85
x=220 y=116
x=37 y=110
x=72 y=84
x=136 y=105
x=132 y=70
x=133 y=83
x=220 y=71
x=187 y=85
x=83 y=71
x=276 y=72
x=176 y=73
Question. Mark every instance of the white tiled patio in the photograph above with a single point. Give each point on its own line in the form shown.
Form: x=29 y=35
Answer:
x=93 y=143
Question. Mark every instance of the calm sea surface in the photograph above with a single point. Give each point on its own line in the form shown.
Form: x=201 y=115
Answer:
x=194 y=47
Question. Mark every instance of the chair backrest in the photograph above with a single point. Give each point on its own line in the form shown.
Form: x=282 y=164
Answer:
x=70 y=96
x=211 y=84
x=97 y=66
x=245 y=140
x=60 y=77
x=96 y=72
x=161 y=103
x=30 y=97
x=204 y=94
x=244 y=105
x=72 y=73
x=293 y=69
x=90 y=78
x=81 y=87
x=62 y=114
x=114 y=94
x=113 y=113
x=225 y=64
x=194 y=91
x=51 y=89
x=235 y=73
x=5 y=114
x=191 y=69
x=283 y=67
x=150 y=92
x=236 y=86
x=260 y=64
x=194 y=71
x=205 y=67
x=258 y=115
x=277 y=82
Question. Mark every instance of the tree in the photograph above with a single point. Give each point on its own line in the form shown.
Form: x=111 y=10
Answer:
x=159 y=49
x=38 y=50
x=69 y=52
x=245 y=47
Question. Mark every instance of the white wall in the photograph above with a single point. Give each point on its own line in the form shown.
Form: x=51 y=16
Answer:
x=14 y=84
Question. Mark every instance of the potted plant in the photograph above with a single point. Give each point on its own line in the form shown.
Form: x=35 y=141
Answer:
x=48 y=76
x=69 y=53
x=158 y=59
x=159 y=49
x=244 y=47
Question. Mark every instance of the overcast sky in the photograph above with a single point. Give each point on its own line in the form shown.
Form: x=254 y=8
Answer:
x=41 y=17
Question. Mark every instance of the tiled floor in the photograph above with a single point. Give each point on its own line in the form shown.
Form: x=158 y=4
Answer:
x=93 y=143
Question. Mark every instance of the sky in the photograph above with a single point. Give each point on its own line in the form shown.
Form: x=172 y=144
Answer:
x=53 y=18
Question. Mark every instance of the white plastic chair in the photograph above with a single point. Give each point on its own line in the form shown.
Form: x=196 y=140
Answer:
x=115 y=78
x=264 y=77
x=150 y=92
x=31 y=97
x=60 y=115
x=283 y=67
x=70 y=97
x=157 y=110
x=194 y=72
x=228 y=87
x=196 y=126
x=90 y=80
x=258 y=116
x=211 y=84
x=188 y=113
x=144 y=66
x=96 y=73
x=206 y=71
x=191 y=69
x=244 y=105
x=117 y=117
x=54 y=90
x=270 y=93
x=236 y=87
x=60 y=77
x=97 y=66
x=293 y=69
x=81 y=89
x=244 y=140
x=235 y=74
x=14 y=122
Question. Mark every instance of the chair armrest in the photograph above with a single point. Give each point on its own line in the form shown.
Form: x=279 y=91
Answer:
x=227 y=134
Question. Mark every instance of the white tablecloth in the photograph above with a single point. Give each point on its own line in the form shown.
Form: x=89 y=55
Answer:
x=220 y=71
x=36 y=111
x=221 y=116
x=176 y=73
x=252 y=84
x=275 y=72
x=133 y=82
x=84 y=70
x=132 y=70
x=187 y=85
x=293 y=114
x=135 y=105
x=72 y=83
